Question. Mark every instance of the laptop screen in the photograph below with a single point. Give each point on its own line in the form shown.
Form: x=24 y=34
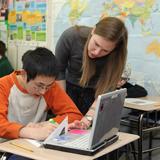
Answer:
x=107 y=117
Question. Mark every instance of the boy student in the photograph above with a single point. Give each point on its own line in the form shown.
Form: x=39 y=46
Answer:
x=27 y=94
x=133 y=90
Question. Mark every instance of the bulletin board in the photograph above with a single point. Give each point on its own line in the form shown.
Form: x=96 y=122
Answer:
x=29 y=26
x=27 y=20
x=3 y=20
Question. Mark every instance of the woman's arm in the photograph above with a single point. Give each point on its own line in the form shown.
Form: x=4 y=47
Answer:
x=87 y=120
x=62 y=52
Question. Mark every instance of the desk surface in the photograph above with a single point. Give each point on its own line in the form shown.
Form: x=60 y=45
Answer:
x=145 y=107
x=43 y=154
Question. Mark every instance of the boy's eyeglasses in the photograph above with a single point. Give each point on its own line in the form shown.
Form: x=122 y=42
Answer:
x=42 y=87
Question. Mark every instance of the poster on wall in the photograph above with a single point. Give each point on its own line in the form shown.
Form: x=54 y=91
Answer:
x=27 y=20
x=3 y=19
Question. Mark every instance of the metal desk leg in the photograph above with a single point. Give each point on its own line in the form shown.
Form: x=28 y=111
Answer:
x=133 y=148
x=127 y=152
x=150 y=145
x=140 y=133
x=151 y=137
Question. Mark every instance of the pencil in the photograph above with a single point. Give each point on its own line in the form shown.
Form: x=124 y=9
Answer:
x=17 y=145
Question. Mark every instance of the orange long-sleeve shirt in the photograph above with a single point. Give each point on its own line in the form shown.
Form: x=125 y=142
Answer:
x=18 y=108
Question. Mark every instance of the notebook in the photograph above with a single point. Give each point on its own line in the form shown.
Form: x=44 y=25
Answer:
x=103 y=132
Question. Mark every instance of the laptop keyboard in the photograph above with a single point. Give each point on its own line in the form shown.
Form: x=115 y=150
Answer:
x=80 y=142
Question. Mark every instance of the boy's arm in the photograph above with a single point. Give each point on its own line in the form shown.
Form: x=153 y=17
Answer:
x=62 y=105
x=8 y=129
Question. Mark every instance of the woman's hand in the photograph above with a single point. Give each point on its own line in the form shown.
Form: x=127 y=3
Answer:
x=86 y=121
x=82 y=124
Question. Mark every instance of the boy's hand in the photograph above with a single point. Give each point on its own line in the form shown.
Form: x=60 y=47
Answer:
x=38 y=131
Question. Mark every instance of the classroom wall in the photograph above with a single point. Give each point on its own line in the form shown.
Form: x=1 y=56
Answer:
x=141 y=18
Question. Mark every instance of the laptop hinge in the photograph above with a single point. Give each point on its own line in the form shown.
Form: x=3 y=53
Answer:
x=106 y=142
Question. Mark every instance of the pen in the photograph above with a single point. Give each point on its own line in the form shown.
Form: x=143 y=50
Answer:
x=52 y=121
x=19 y=146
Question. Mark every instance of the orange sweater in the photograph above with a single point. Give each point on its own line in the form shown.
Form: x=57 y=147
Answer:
x=18 y=108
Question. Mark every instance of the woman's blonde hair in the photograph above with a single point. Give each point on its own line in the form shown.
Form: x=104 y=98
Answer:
x=114 y=30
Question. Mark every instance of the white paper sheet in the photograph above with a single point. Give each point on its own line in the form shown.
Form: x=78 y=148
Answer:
x=140 y=102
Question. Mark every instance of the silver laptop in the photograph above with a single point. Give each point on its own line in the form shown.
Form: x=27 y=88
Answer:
x=103 y=131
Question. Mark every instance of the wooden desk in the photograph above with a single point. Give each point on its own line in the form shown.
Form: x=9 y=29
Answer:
x=145 y=109
x=48 y=154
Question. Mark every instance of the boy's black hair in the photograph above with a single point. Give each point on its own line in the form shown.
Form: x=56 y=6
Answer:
x=39 y=62
x=2 y=48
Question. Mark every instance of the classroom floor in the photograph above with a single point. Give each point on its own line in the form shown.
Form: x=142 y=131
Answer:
x=155 y=154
